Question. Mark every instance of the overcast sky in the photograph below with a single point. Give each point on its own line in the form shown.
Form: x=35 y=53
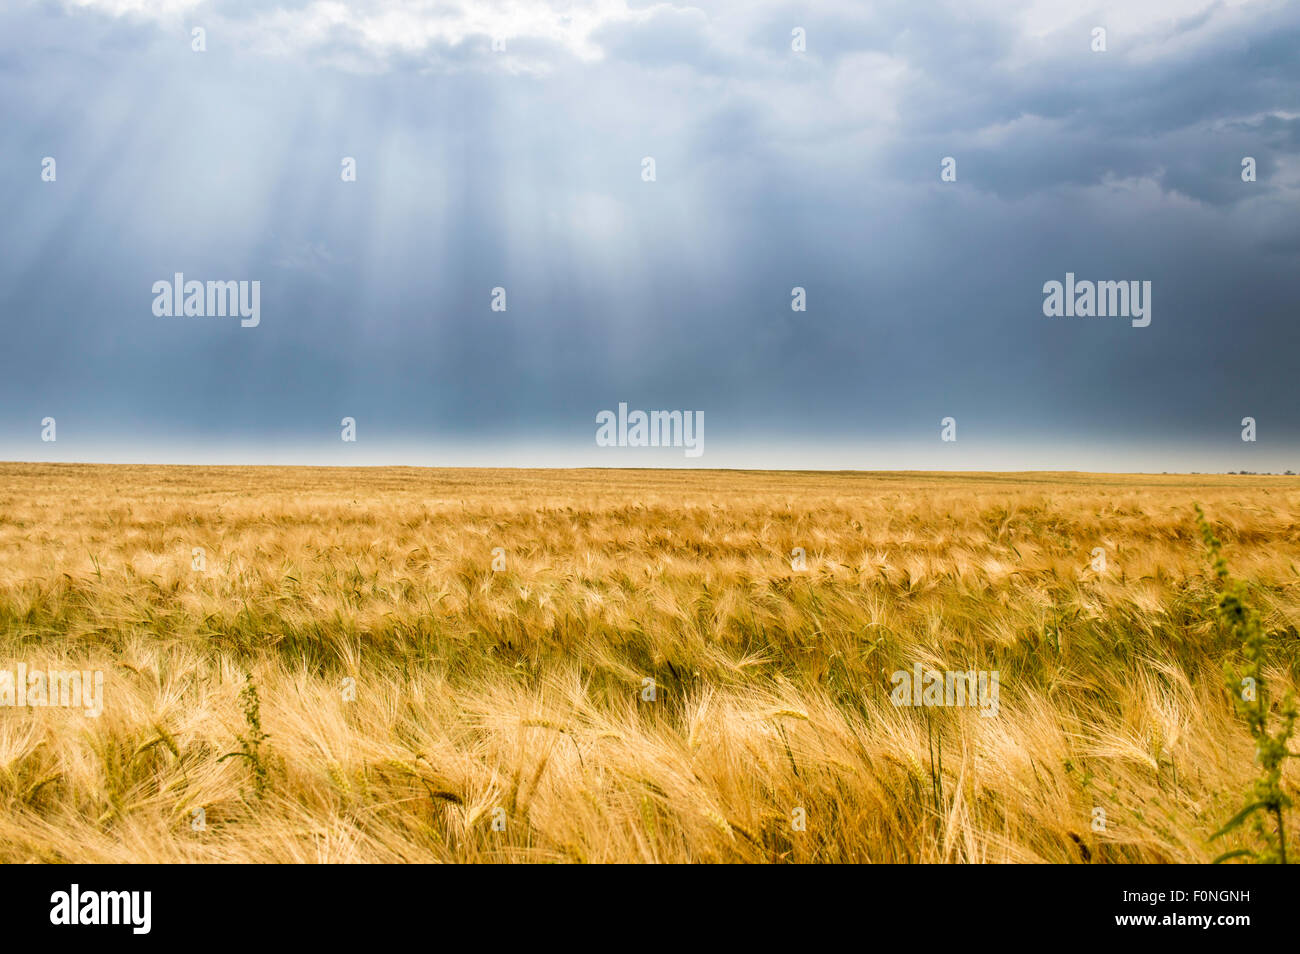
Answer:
x=774 y=168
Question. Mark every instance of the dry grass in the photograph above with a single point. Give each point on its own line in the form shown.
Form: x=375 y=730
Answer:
x=521 y=689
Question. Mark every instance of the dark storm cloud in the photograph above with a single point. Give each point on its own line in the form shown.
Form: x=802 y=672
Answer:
x=522 y=169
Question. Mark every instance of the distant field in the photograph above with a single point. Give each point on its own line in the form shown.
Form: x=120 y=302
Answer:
x=422 y=705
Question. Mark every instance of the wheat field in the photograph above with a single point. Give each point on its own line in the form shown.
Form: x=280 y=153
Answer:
x=453 y=665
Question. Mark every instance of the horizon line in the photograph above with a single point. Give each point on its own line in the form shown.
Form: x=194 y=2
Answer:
x=754 y=470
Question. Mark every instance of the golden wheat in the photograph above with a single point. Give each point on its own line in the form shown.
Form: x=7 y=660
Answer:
x=421 y=705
